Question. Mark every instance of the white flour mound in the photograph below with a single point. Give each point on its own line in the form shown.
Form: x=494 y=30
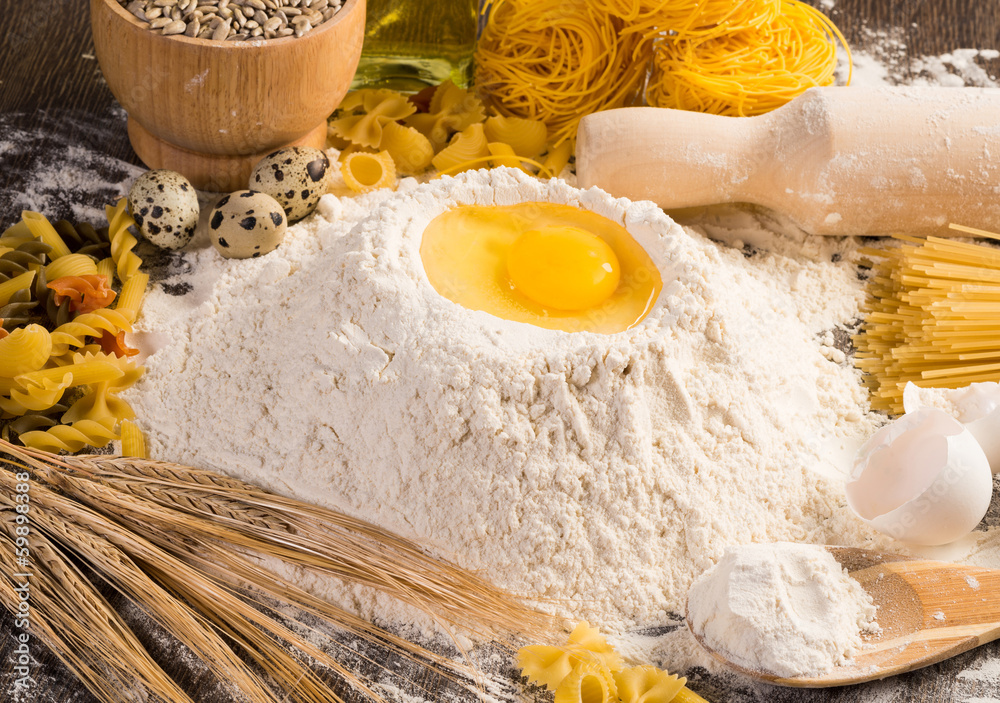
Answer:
x=603 y=472
x=784 y=609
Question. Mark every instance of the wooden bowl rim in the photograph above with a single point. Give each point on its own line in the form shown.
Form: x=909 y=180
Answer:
x=246 y=45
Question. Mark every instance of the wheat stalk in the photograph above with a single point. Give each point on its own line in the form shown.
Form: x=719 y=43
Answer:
x=179 y=542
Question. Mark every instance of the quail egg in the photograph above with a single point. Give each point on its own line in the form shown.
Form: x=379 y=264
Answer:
x=246 y=224
x=165 y=207
x=297 y=177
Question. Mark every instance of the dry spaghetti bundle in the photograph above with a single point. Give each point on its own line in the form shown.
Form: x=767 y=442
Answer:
x=558 y=60
x=749 y=71
x=690 y=19
x=933 y=317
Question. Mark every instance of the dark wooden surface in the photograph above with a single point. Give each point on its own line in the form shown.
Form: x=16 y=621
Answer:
x=52 y=98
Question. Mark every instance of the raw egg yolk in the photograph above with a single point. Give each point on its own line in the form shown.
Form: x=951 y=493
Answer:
x=545 y=264
x=566 y=268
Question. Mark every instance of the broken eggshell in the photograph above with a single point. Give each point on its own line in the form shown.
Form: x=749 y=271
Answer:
x=976 y=406
x=922 y=479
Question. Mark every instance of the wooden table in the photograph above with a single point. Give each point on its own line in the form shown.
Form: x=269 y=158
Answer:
x=53 y=99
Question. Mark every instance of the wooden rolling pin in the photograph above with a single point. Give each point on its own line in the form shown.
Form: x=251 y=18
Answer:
x=835 y=160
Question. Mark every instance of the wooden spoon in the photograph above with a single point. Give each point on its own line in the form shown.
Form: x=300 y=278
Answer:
x=929 y=611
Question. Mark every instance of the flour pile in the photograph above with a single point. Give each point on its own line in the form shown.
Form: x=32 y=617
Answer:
x=784 y=609
x=603 y=472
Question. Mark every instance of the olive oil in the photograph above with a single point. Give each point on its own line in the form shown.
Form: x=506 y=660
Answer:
x=410 y=44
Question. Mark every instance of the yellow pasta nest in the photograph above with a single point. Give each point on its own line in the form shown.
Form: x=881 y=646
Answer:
x=749 y=71
x=363 y=171
x=690 y=19
x=558 y=60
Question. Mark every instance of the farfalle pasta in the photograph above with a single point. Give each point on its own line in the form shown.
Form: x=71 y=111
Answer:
x=647 y=684
x=380 y=107
x=548 y=665
x=452 y=109
x=588 y=670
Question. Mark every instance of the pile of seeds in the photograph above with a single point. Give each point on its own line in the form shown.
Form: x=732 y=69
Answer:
x=233 y=20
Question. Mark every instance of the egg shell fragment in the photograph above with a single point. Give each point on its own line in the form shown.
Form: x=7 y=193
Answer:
x=922 y=479
x=246 y=224
x=297 y=177
x=977 y=406
x=165 y=207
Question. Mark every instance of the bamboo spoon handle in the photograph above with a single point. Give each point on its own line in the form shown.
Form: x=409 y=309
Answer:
x=835 y=160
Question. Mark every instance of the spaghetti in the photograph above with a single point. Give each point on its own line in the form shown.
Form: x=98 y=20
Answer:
x=932 y=318
x=750 y=71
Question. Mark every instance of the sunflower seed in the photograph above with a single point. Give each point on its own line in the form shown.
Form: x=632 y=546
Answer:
x=232 y=19
x=175 y=27
x=222 y=31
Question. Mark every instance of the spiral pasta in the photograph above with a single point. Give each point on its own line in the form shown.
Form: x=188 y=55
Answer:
x=94 y=324
x=70 y=438
x=71 y=265
x=73 y=373
x=24 y=350
x=35 y=397
x=127 y=263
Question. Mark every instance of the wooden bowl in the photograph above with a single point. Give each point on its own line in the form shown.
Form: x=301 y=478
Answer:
x=211 y=109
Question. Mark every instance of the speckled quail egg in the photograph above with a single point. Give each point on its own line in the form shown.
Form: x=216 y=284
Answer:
x=165 y=207
x=247 y=224
x=297 y=177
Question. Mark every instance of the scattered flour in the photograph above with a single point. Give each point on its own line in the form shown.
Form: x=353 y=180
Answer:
x=784 y=609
